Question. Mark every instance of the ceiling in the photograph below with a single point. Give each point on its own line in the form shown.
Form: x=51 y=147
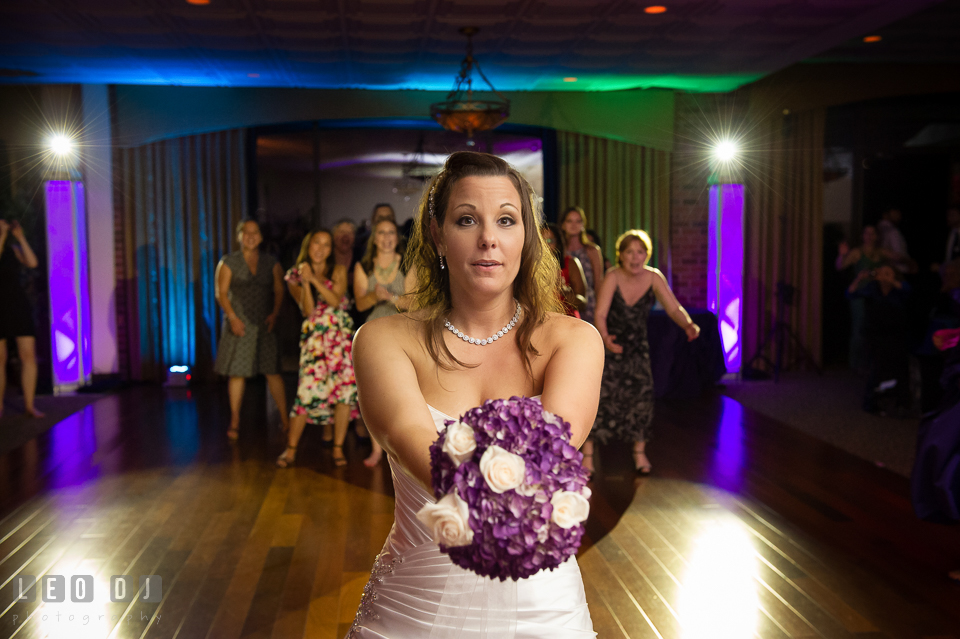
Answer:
x=696 y=45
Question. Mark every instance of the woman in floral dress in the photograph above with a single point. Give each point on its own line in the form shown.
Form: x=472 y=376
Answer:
x=326 y=389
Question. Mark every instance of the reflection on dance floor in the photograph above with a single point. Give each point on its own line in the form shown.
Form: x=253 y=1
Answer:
x=746 y=529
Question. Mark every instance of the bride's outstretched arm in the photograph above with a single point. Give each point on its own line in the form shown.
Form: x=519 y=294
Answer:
x=391 y=402
x=571 y=383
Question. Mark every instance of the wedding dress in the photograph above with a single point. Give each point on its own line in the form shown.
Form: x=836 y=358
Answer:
x=416 y=591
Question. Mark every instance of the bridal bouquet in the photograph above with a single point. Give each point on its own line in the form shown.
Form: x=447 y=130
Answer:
x=512 y=494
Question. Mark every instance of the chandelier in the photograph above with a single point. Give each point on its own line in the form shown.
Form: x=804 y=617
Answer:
x=414 y=173
x=462 y=113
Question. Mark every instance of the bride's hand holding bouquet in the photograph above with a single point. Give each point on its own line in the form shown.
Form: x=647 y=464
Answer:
x=512 y=493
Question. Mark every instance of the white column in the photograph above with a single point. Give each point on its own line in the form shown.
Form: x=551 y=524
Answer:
x=96 y=147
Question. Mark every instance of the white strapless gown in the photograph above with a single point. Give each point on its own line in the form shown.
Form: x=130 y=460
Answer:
x=416 y=591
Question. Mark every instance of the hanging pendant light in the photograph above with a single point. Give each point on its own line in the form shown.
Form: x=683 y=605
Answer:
x=460 y=111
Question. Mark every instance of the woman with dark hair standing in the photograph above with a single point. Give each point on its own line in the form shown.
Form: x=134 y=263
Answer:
x=326 y=389
x=250 y=291
x=16 y=320
x=576 y=243
x=573 y=285
x=480 y=264
x=626 y=297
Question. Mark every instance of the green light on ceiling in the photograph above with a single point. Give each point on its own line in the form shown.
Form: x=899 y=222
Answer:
x=692 y=83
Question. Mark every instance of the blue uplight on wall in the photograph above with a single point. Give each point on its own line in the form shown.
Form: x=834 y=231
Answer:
x=725 y=268
x=68 y=285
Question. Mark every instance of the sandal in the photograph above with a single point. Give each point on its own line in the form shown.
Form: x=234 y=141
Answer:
x=642 y=469
x=285 y=460
x=325 y=441
x=339 y=460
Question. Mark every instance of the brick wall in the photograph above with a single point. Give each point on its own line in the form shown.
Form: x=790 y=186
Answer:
x=689 y=207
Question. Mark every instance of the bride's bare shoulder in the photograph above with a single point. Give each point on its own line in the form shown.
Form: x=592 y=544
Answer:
x=394 y=331
x=560 y=330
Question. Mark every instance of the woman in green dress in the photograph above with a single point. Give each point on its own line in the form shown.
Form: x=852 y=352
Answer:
x=380 y=284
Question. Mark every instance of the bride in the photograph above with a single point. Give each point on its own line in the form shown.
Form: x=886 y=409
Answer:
x=480 y=261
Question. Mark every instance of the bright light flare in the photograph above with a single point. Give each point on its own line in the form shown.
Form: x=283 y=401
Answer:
x=725 y=151
x=61 y=145
x=719 y=599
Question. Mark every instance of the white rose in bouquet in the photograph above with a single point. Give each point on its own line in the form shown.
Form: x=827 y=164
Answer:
x=502 y=469
x=569 y=508
x=449 y=521
x=459 y=443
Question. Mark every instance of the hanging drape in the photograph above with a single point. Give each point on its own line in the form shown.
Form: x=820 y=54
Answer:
x=180 y=202
x=784 y=229
x=620 y=186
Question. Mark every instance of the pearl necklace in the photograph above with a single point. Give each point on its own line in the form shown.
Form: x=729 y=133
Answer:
x=490 y=340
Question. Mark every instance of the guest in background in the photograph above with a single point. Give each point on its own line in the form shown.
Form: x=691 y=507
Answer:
x=892 y=240
x=885 y=332
x=626 y=395
x=382 y=211
x=380 y=285
x=865 y=258
x=576 y=243
x=378 y=279
x=595 y=238
x=573 y=284
x=326 y=389
x=344 y=236
x=250 y=291
x=16 y=318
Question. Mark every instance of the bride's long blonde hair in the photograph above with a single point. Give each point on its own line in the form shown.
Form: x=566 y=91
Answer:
x=536 y=285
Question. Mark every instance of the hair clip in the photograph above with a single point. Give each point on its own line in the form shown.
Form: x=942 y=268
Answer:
x=430 y=207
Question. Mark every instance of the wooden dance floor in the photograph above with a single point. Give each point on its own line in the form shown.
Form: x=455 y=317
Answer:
x=746 y=529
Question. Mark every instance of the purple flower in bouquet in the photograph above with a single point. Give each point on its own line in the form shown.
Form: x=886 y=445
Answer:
x=512 y=492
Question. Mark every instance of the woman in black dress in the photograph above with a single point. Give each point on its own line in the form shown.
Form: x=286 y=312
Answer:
x=16 y=321
x=626 y=296
x=250 y=291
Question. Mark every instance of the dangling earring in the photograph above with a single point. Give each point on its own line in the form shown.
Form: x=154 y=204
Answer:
x=442 y=265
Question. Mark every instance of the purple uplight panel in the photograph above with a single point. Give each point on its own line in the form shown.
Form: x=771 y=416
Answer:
x=725 y=268
x=68 y=285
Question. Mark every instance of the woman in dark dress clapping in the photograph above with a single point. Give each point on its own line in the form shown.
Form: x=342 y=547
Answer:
x=16 y=321
x=627 y=294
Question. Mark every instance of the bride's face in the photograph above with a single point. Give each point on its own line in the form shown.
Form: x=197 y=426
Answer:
x=482 y=234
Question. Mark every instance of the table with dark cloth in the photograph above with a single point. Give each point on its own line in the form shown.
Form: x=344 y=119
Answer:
x=683 y=369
